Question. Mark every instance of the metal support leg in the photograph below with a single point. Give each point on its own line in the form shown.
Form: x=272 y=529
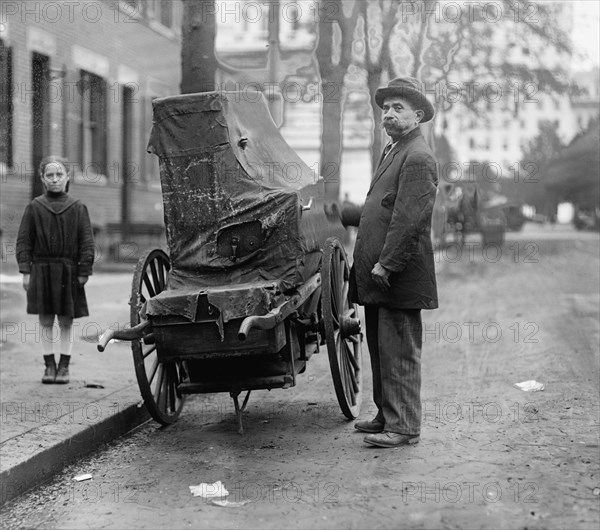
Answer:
x=240 y=410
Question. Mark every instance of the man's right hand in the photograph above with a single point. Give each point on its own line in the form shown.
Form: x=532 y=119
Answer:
x=26 y=281
x=381 y=277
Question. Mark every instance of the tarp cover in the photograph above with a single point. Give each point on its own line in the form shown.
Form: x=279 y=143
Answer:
x=223 y=163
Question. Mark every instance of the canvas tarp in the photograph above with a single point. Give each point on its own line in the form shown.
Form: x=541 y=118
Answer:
x=224 y=163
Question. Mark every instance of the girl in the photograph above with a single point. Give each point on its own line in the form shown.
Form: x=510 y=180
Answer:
x=55 y=253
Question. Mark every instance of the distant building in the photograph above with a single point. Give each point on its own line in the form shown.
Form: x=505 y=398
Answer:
x=260 y=48
x=506 y=128
x=586 y=100
x=77 y=80
x=275 y=54
x=513 y=111
x=512 y=115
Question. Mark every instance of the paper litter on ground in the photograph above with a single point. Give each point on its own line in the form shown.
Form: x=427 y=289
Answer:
x=209 y=491
x=529 y=386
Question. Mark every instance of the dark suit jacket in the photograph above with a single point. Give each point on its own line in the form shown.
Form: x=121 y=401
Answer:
x=395 y=229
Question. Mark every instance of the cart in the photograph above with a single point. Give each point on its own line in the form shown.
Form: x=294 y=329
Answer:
x=256 y=280
x=463 y=208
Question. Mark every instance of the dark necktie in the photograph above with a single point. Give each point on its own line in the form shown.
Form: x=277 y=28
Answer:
x=386 y=150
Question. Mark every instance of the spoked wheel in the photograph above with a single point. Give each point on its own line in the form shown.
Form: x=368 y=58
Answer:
x=342 y=329
x=158 y=381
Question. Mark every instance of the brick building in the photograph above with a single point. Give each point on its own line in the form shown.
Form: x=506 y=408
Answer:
x=77 y=80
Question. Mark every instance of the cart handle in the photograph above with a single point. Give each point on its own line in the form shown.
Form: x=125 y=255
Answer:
x=134 y=333
x=280 y=313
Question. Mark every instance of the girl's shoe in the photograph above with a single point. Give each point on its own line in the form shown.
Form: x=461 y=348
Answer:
x=62 y=373
x=50 y=372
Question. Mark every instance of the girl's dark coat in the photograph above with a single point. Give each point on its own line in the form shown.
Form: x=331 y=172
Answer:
x=56 y=247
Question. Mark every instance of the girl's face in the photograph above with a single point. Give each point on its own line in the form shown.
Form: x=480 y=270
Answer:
x=55 y=177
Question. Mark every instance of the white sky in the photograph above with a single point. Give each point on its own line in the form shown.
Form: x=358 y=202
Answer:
x=585 y=33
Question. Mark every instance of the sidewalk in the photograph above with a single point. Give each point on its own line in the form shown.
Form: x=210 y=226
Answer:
x=45 y=427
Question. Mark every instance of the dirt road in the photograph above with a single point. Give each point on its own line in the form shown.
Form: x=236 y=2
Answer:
x=491 y=456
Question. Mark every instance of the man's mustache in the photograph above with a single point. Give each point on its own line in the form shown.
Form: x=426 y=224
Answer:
x=389 y=122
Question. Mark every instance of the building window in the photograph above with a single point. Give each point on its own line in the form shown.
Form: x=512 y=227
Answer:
x=255 y=22
x=159 y=11
x=293 y=16
x=177 y=17
x=166 y=13
x=472 y=143
x=40 y=114
x=132 y=9
x=149 y=170
x=93 y=153
x=148 y=9
x=6 y=106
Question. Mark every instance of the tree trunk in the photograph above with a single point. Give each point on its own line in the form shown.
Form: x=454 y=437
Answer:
x=332 y=136
x=374 y=81
x=376 y=67
x=330 y=150
x=198 y=60
x=332 y=71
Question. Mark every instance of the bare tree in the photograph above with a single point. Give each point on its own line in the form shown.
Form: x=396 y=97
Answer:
x=377 y=58
x=444 y=48
x=337 y=21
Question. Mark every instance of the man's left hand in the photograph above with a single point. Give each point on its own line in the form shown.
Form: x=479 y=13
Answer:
x=381 y=277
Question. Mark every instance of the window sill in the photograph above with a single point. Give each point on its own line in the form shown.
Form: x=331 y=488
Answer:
x=160 y=28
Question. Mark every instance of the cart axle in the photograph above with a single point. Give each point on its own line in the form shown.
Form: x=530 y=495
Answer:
x=349 y=326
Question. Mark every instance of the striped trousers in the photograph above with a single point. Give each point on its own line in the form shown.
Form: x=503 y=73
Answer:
x=395 y=338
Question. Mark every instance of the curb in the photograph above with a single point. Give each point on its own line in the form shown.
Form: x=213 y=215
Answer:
x=65 y=441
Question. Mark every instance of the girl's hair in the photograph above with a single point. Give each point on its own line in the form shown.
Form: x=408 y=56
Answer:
x=52 y=159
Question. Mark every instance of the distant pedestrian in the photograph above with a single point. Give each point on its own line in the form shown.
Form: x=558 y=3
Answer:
x=55 y=253
x=393 y=274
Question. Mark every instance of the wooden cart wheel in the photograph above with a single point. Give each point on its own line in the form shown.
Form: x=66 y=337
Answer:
x=158 y=381
x=342 y=329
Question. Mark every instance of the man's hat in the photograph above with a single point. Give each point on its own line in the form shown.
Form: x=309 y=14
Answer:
x=410 y=89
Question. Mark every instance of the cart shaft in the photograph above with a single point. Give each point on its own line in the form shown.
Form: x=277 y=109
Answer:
x=280 y=313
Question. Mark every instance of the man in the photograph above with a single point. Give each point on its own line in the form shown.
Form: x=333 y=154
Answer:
x=393 y=274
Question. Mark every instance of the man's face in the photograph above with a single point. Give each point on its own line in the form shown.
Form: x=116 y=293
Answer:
x=399 y=117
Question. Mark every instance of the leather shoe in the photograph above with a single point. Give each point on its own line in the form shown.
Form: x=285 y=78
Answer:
x=370 y=426
x=391 y=439
x=50 y=372
x=62 y=372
